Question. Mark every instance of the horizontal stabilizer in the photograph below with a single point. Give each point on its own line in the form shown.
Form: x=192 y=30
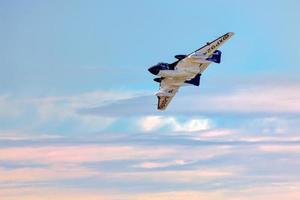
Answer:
x=215 y=57
x=194 y=81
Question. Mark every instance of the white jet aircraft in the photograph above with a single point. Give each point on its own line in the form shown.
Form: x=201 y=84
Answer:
x=186 y=70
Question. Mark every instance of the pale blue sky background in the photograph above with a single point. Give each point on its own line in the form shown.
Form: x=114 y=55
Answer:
x=77 y=111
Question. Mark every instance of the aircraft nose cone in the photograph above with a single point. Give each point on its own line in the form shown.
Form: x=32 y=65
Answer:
x=154 y=70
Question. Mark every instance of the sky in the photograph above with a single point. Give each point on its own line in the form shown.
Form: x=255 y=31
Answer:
x=78 y=116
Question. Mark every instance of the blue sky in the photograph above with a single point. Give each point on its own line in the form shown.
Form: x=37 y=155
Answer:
x=78 y=117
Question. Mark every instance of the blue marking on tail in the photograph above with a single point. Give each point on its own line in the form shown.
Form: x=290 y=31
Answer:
x=215 y=57
x=194 y=81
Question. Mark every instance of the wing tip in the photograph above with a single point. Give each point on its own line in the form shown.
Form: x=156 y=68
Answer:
x=231 y=33
x=161 y=106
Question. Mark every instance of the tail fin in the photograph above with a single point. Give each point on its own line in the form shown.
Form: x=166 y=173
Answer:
x=215 y=57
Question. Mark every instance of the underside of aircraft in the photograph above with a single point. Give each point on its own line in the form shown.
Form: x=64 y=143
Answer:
x=187 y=69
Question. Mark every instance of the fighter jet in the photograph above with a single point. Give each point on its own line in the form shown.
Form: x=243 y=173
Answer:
x=186 y=70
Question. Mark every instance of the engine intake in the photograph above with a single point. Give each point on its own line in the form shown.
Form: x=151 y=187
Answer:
x=156 y=68
x=180 y=57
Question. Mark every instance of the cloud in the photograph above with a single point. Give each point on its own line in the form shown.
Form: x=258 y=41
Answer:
x=65 y=162
x=19 y=136
x=179 y=195
x=218 y=133
x=178 y=176
x=65 y=108
x=275 y=148
x=257 y=99
x=136 y=106
x=49 y=173
x=63 y=111
x=277 y=124
x=56 y=154
x=52 y=163
x=58 y=193
x=46 y=193
x=152 y=123
x=81 y=153
x=289 y=191
x=152 y=165
x=193 y=125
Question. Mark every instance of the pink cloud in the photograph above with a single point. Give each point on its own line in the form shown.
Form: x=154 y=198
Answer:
x=217 y=133
x=151 y=165
x=280 y=148
x=176 y=176
x=47 y=193
x=77 y=154
x=57 y=172
x=93 y=153
x=65 y=162
x=290 y=192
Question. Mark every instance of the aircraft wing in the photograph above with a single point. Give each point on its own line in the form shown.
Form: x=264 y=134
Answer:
x=168 y=89
x=163 y=102
x=197 y=59
x=210 y=47
x=195 y=63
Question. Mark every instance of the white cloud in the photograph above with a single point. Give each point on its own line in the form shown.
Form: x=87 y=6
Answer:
x=217 y=133
x=255 y=99
x=153 y=123
x=66 y=106
x=63 y=109
x=151 y=165
x=193 y=125
x=263 y=99
x=66 y=109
